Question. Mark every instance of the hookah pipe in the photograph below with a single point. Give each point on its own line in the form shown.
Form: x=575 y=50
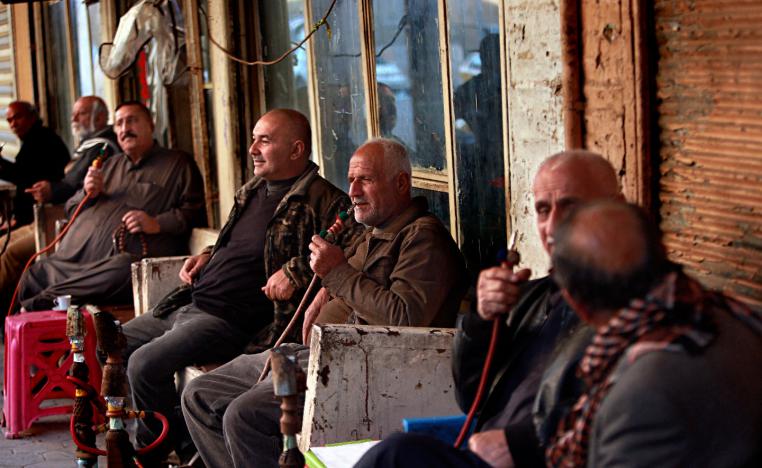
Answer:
x=288 y=382
x=85 y=396
x=97 y=163
x=119 y=451
x=507 y=259
x=331 y=235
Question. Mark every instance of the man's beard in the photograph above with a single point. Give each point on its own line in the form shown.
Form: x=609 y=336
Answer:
x=81 y=132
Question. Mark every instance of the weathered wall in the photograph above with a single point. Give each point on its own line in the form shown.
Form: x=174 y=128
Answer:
x=710 y=123
x=362 y=380
x=612 y=69
x=534 y=111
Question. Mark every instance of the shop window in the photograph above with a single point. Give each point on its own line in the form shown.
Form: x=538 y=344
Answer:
x=474 y=44
x=340 y=94
x=285 y=82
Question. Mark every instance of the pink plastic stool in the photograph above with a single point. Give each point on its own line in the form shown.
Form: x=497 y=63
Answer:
x=37 y=358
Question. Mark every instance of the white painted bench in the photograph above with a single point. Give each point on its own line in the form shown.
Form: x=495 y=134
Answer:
x=362 y=380
x=153 y=278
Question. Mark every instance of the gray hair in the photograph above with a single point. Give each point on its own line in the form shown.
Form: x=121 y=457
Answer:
x=396 y=159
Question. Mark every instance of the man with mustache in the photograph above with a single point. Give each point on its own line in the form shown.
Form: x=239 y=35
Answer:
x=245 y=289
x=89 y=125
x=404 y=271
x=142 y=202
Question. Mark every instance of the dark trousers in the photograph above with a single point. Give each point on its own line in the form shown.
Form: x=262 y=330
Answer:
x=412 y=450
x=103 y=281
x=233 y=420
x=159 y=347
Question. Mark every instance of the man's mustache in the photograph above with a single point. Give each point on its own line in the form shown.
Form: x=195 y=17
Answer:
x=128 y=135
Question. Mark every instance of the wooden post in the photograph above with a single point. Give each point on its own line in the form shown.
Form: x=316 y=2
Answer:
x=571 y=50
x=197 y=103
x=225 y=105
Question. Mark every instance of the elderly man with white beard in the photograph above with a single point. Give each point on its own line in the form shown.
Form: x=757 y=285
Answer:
x=89 y=126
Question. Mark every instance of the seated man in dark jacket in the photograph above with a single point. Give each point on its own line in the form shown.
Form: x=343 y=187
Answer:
x=535 y=324
x=672 y=377
x=246 y=288
x=404 y=271
x=90 y=127
x=142 y=202
x=43 y=156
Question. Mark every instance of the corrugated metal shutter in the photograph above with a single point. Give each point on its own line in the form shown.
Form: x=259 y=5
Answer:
x=709 y=86
x=7 y=81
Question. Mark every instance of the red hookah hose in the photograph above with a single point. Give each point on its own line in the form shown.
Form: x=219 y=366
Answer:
x=482 y=383
x=46 y=249
x=140 y=451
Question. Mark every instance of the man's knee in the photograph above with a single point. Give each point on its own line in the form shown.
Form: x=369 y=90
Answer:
x=249 y=413
x=145 y=366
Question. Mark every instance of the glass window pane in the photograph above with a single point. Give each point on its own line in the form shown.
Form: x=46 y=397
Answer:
x=58 y=77
x=438 y=203
x=409 y=78
x=99 y=85
x=341 y=100
x=81 y=38
x=285 y=82
x=475 y=64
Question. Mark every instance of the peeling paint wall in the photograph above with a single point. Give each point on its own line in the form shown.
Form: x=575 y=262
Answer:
x=611 y=69
x=535 y=114
x=363 y=380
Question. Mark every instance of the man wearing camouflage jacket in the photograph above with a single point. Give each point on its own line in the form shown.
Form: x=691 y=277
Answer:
x=246 y=288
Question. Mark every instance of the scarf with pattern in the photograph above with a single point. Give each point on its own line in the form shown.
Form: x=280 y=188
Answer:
x=676 y=312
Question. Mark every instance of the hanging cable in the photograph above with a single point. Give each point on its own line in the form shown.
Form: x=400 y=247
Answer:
x=322 y=22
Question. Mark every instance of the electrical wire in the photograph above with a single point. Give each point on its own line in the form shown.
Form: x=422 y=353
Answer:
x=322 y=22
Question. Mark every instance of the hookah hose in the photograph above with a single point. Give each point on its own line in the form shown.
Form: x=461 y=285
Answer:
x=330 y=235
x=97 y=163
x=131 y=414
x=507 y=260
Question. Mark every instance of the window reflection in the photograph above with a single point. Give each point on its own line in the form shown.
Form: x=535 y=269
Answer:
x=59 y=78
x=475 y=65
x=438 y=203
x=339 y=88
x=285 y=82
x=409 y=78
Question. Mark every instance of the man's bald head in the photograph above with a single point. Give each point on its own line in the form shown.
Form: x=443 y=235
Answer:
x=566 y=179
x=21 y=117
x=296 y=125
x=280 y=146
x=606 y=253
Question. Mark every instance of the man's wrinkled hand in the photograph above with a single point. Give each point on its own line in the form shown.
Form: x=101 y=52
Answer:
x=192 y=267
x=497 y=290
x=278 y=287
x=93 y=184
x=325 y=256
x=140 y=221
x=41 y=191
x=492 y=447
x=312 y=312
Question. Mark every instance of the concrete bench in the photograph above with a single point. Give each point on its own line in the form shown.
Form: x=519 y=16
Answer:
x=362 y=380
x=153 y=278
